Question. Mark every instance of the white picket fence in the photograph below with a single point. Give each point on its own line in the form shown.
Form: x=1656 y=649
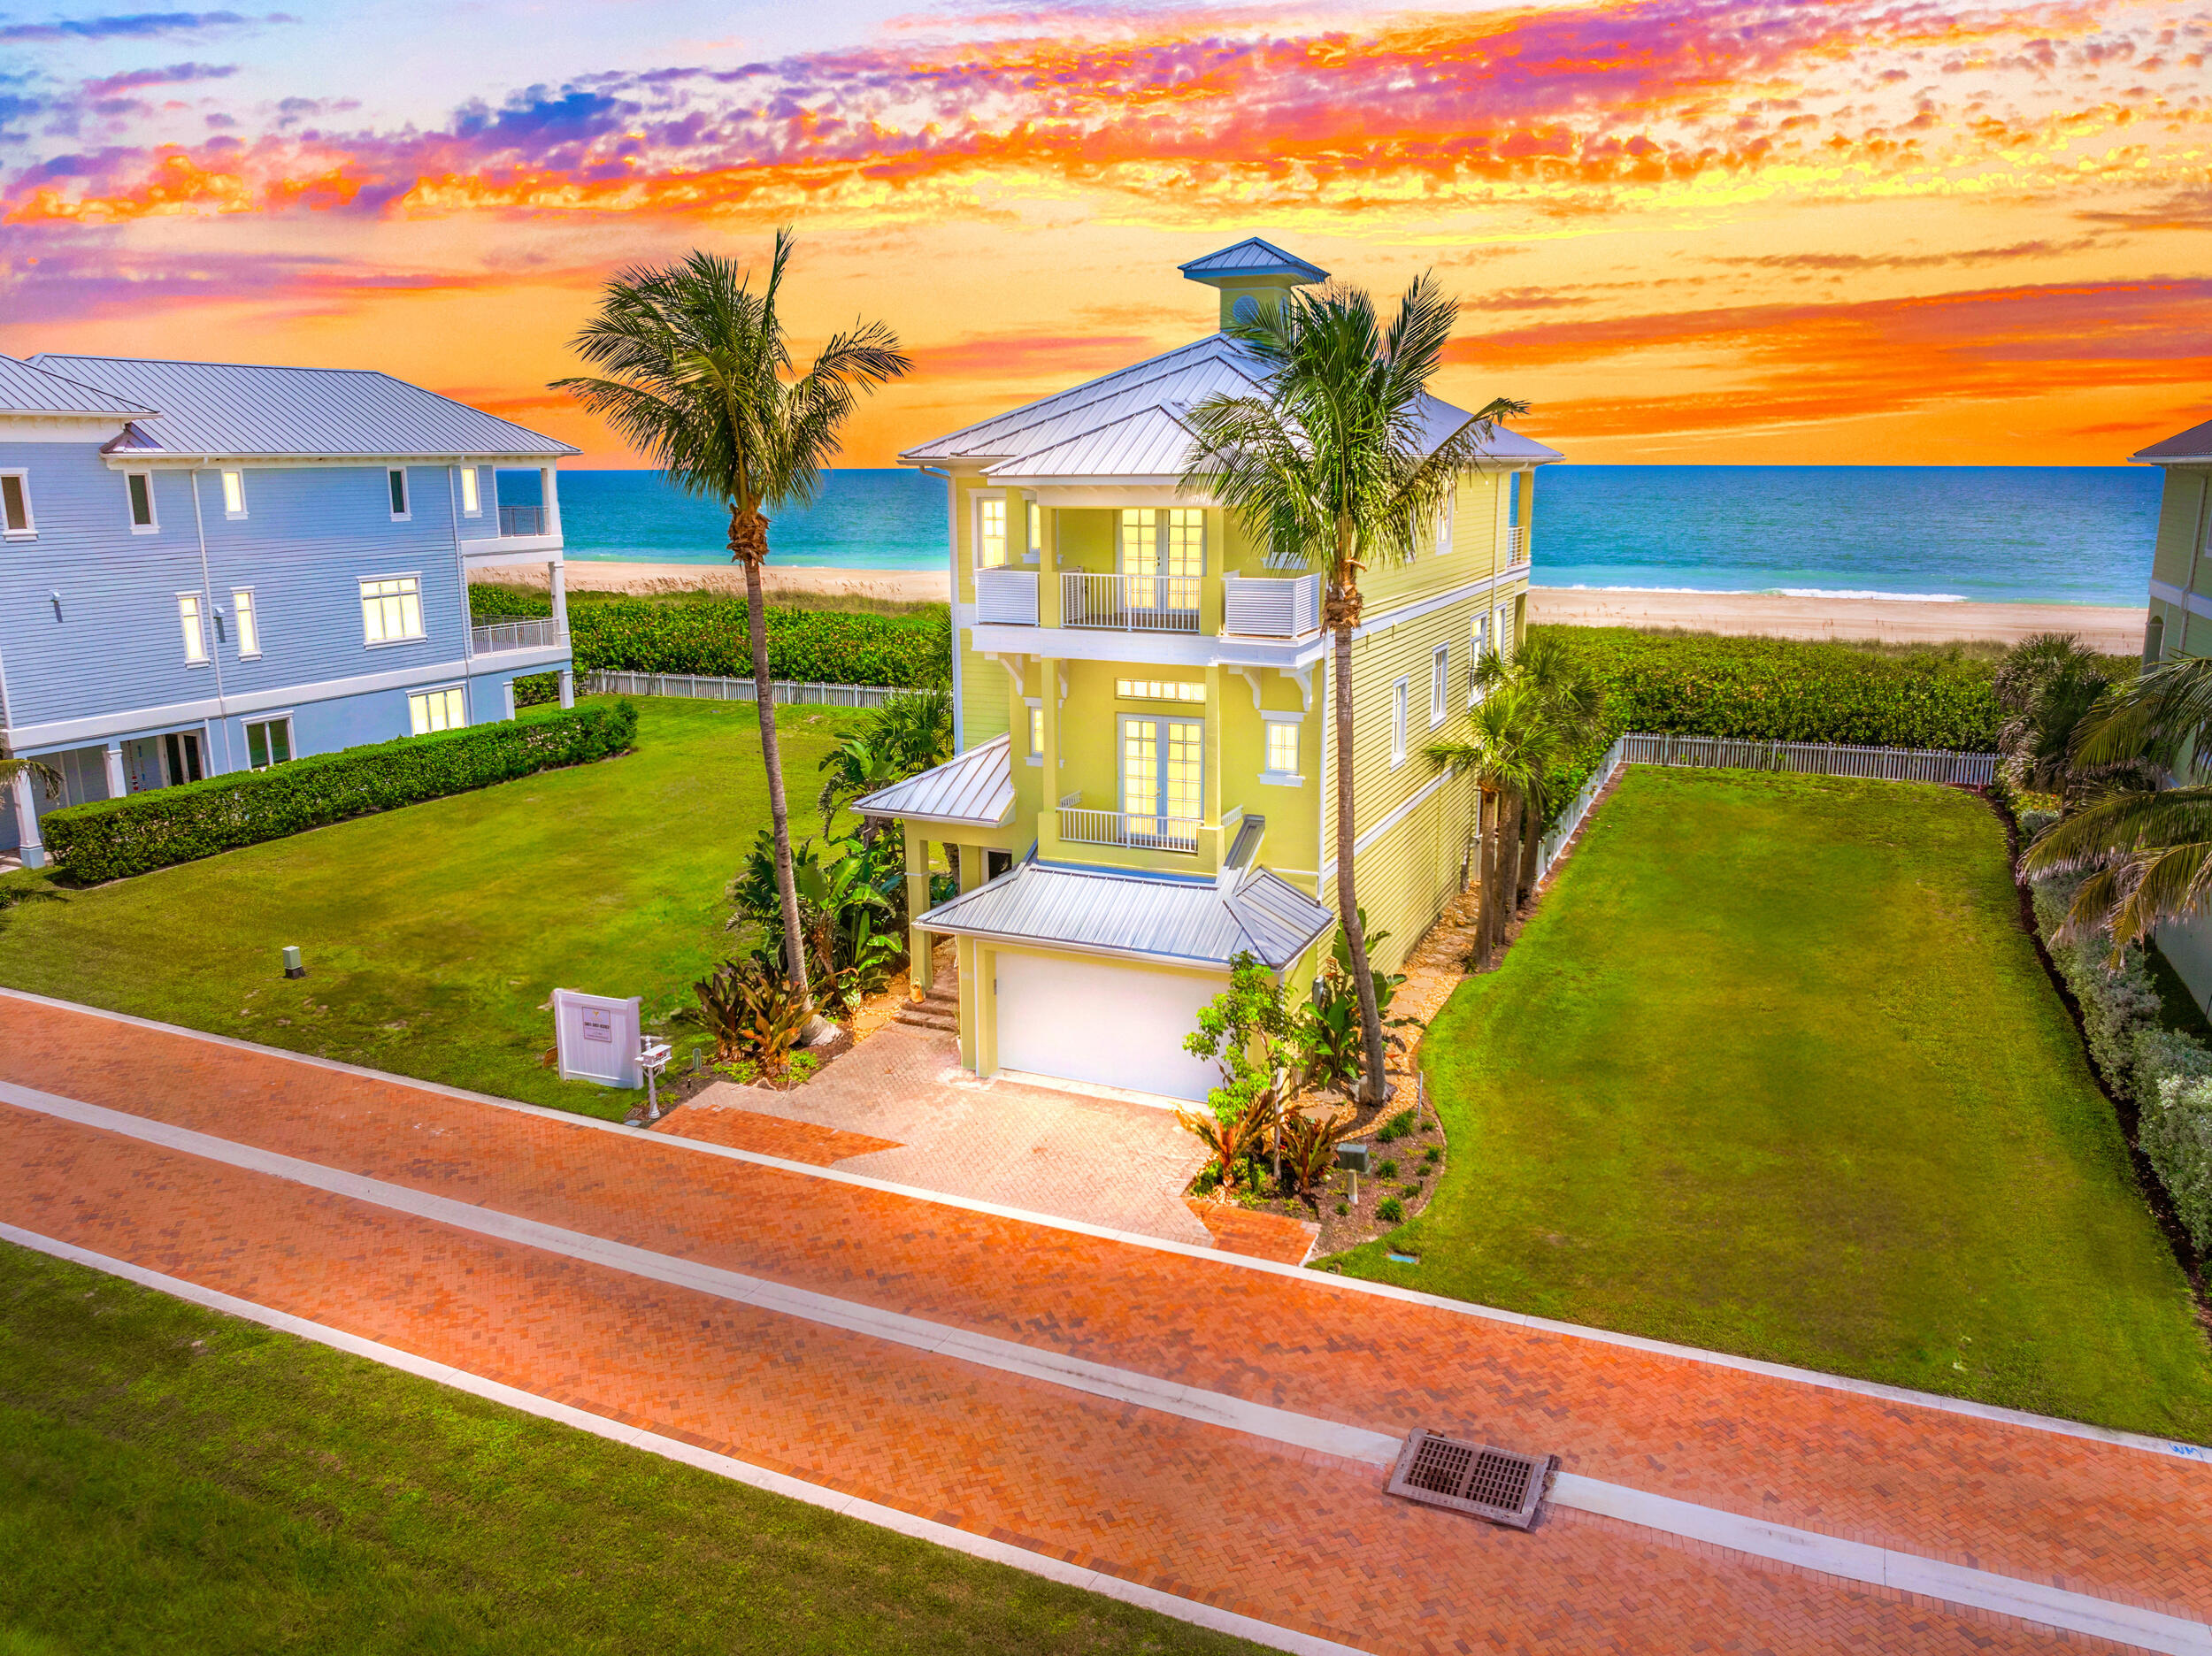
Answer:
x=701 y=687
x=1886 y=764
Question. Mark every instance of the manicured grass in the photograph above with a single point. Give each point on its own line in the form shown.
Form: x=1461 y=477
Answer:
x=432 y=934
x=174 y=1480
x=1774 y=1070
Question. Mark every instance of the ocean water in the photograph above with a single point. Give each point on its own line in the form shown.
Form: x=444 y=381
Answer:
x=2050 y=535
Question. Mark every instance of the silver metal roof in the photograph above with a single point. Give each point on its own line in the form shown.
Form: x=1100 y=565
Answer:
x=245 y=412
x=1252 y=258
x=28 y=390
x=1139 y=917
x=2194 y=444
x=975 y=789
x=1129 y=423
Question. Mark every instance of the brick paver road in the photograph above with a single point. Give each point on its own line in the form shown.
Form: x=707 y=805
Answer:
x=1283 y=1536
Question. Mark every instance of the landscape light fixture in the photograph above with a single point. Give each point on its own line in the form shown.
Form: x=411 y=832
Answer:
x=293 y=965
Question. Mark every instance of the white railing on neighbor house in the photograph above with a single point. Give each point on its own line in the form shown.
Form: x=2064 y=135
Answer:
x=522 y=520
x=1078 y=826
x=1883 y=764
x=1006 y=597
x=1516 y=545
x=1271 y=609
x=1132 y=603
x=513 y=635
x=706 y=689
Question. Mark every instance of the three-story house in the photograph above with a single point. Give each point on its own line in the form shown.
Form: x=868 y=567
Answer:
x=1144 y=787
x=206 y=568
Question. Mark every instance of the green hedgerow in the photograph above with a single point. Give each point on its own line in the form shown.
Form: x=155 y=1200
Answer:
x=115 y=839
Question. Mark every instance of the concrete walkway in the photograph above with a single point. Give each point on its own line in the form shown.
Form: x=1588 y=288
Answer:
x=1167 y=1416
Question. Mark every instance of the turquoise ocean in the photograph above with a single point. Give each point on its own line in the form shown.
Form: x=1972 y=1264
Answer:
x=2047 y=534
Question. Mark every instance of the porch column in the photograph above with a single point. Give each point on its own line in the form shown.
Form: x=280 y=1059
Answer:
x=919 y=942
x=557 y=583
x=1049 y=788
x=550 y=498
x=568 y=688
x=1528 y=514
x=1049 y=572
x=970 y=866
x=32 y=853
x=116 y=785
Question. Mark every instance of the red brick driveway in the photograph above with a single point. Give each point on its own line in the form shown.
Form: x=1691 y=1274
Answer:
x=1291 y=1537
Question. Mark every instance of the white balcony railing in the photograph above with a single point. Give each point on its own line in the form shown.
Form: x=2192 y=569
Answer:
x=1271 y=609
x=1131 y=603
x=522 y=520
x=1006 y=597
x=1122 y=828
x=513 y=635
x=1516 y=545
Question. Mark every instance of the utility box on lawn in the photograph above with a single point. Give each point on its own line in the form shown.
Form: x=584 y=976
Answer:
x=597 y=1038
x=1352 y=1157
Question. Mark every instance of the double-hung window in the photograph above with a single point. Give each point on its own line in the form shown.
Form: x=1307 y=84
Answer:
x=472 y=496
x=1162 y=780
x=1440 y=683
x=233 y=494
x=990 y=532
x=391 y=608
x=268 y=742
x=139 y=485
x=1280 y=757
x=1502 y=638
x=395 y=483
x=249 y=620
x=1399 y=695
x=15 y=506
x=195 y=627
x=1036 y=726
x=445 y=708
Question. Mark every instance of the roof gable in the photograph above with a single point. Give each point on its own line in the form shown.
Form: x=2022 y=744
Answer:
x=2194 y=444
x=28 y=389
x=1252 y=256
x=976 y=788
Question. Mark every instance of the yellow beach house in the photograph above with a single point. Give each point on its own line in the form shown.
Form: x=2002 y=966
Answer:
x=1143 y=785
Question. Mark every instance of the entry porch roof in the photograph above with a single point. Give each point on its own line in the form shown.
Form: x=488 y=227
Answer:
x=1132 y=914
x=974 y=790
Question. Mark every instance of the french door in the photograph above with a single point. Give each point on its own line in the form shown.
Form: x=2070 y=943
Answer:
x=1162 y=780
x=1163 y=557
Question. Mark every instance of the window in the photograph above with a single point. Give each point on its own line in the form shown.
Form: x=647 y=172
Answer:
x=195 y=632
x=15 y=504
x=1036 y=532
x=429 y=710
x=1158 y=690
x=1036 y=730
x=1504 y=635
x=1282 y=746
x=140 y=487
x=1162 y=778
x=249 y=623
x=1478 y=642
x=1444 y=523
x=1398 y=697
x=990 y=534
x=1439 y=682
x=233 y=494
x=472 y=502
x=268 y=742
x=396 y=479
x=391 y=608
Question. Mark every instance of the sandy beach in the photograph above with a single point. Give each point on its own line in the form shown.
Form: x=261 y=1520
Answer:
x=2116 y=631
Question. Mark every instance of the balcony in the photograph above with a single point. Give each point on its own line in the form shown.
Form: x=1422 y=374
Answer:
x=1130 y=604
x=521 y=520
x=1271 y=609
x=515 y=635
x=1079 y=826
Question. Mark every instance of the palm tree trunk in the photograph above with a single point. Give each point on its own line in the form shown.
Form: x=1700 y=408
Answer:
x=771 y=753
x=1346 y=898
x=1488 y=808
x=1509 y=866
x=1532 y=842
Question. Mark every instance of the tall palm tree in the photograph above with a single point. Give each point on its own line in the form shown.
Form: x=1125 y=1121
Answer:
x=1513 y=737
x=697 y=374
x=1330 y=464
x=2148 y=853
x=1572 y=708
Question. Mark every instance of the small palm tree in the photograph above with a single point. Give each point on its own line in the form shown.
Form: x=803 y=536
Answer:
x=1570 y=708
x=1509 y=745
x=694 y=372
x=1329 y=464
x=2048 y=688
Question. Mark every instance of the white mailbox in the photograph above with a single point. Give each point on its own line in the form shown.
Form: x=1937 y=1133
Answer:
x=597 y=1038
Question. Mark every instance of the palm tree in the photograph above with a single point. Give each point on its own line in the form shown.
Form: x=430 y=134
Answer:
x=1572 y=706
x=1330 y=464
x=1512 y=739
x=2047 y=688
x=695 y=369
x=2149 y=855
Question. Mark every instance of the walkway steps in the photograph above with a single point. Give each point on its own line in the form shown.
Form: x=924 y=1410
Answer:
x=939 y=1010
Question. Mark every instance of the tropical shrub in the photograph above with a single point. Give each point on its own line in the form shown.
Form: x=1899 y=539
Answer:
x=2176 y=1137
x=1231 y=1140
x=1310 y=1144
x=1249 y=1030
x=113 y=839
x=852 y=912
x=1390 y=1210
x=754 y=1014
x=905 y=737
x=1328 y=1035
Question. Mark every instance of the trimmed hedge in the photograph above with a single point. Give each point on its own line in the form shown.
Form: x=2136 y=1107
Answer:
x=707 y=636
x=2175 y=1134
x=1762 y=689
x=114 y=838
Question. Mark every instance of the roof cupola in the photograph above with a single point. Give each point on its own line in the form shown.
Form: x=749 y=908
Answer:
x=1251 y=276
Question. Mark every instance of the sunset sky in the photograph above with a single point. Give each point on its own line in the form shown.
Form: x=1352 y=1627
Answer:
x=1685 y=231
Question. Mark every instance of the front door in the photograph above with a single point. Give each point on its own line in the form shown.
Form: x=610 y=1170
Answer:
x=1163 y=779
x=181 y=757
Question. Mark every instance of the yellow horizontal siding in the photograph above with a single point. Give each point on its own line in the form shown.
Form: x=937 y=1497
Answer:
x=2180 y=526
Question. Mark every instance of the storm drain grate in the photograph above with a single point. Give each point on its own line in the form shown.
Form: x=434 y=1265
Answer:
x=1492 y=1483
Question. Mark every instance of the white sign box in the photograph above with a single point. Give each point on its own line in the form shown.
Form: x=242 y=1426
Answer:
x=597 y=1036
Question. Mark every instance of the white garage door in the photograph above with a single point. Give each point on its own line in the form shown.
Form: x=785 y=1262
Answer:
x=1087 y=1020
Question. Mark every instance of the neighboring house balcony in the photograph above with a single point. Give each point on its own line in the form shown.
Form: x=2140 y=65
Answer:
x=501 y=636
x=522 y=520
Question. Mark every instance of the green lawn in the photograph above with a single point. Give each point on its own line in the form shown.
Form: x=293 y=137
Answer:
x=432 y=934
x=1775 y=1070
x=174 y=1480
